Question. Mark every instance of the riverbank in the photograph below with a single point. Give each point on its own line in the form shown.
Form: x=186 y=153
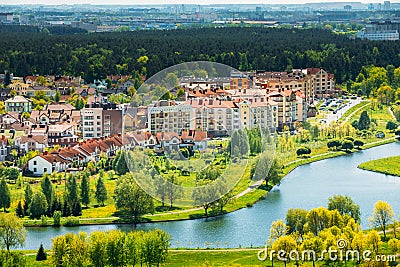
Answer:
x=388 y=166
x=244 y=199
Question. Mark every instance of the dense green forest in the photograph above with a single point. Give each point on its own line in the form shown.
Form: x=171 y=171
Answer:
x=96 y=55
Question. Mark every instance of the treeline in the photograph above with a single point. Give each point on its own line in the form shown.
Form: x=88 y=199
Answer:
x=33 y=29
x=112 y=248
x=246 y=48
x=331 y=229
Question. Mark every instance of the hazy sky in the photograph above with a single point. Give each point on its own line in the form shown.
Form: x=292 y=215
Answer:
x=150 y=2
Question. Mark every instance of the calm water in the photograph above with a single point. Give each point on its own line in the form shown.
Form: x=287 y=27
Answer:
x=306 y=187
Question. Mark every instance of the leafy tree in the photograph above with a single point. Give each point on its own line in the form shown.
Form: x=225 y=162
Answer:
x=97 y=248
x=364 y=122
x=48 y=191
x=373 y=241
x=359 y=243
x=386 y=94
x=394 y=245
x=116 y=254
x=278 y=229
x=382 y=216
x=28 y=197
x=154 y=247
x=131 y=90
x=38 y=205
x=11 y=173
x=12 y=231
x=19 y=211
x=130 y=197
x=296 y=220
x=101 y=191
x=119 y=164
x=70 y=250
x=173 y=189
x=268 y=168
x=345 y=205
x=284 y=243
x=5 y=196
x=318 y=219
x=85 y=190
x=41 y=254
x=57 y=96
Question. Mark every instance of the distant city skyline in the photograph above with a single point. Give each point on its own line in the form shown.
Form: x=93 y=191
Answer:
x=176 y=2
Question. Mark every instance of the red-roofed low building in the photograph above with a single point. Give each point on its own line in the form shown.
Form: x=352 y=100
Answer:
x=168 y=141
x=197 y=139
x=47 y=163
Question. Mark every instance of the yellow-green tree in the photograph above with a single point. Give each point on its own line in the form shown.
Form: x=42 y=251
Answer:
x=286 y=244
x=12 y=231
x=382 y=216
x=278 y=229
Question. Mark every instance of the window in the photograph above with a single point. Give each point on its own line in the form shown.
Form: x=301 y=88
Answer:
x=34 y=169
x=44 y=170
x=35 y=162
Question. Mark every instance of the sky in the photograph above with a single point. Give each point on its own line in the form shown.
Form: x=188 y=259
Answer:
x=155 y=2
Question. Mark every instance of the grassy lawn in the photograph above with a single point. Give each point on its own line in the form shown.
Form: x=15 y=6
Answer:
x=388 y=165
x=198 y=258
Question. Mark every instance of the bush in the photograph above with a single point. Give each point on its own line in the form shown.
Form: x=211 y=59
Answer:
x=43 y=220
x=303 y=151
x=358 y=143
x=391 y=126
x=71 y=221
x=349 y=138
x=347 y=145
x=57 y=218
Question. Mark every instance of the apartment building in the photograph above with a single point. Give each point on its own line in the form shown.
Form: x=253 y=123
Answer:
x=323 y=83
x=169 y=116
x=286 y=108
x=240 y=80
x=18 y=104
x=91 y=122
x=98 y=122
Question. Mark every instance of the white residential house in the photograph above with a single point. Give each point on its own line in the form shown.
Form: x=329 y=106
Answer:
x=30 y=142
x=168 y=141
x=47 y=163
x=4 y=148
x=10 y=118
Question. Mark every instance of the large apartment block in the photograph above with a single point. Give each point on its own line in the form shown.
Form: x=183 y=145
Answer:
x=98 y=122
x=168 y=116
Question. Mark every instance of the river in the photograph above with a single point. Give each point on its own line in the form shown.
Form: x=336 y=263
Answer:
x=306 y=187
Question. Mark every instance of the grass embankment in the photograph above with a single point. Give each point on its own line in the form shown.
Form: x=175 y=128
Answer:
x=193 y=258
x=388 y=165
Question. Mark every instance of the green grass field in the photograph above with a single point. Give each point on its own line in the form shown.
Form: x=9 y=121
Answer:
x=388 y=165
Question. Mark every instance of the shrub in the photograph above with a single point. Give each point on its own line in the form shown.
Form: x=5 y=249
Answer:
x=358 y=143
x=57 y=218
x=71 y=221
